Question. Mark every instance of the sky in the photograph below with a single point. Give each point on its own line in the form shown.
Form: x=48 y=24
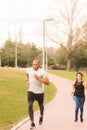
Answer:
x=26 y=16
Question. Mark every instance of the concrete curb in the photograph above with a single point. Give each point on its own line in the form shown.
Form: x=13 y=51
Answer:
x=22 y=122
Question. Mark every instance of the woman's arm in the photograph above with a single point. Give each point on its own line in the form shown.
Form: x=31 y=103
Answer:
x=73 y=88
x=85 y=85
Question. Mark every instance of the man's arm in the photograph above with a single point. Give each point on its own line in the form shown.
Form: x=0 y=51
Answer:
x=44 y=80
x=27 y=79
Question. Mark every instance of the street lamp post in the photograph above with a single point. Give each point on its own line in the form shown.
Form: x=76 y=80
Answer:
x=43 y=45
x=0 y=57
x=46 y=57
x=44 y=42
x=16 y=54
x=15 y=48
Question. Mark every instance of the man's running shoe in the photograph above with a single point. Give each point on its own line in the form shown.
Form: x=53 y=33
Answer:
x=32 y=126
x=40 y=120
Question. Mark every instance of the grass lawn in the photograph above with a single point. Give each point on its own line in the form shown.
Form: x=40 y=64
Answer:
x=71 y=75
x=13 y=97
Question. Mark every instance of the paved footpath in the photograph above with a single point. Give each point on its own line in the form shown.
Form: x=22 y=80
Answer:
x=59 y=114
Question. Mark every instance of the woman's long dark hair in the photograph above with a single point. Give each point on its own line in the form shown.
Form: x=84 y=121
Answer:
x=79 y=73
x=81 y=76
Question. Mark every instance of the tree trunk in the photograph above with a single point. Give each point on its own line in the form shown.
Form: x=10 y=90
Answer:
x=68 y=64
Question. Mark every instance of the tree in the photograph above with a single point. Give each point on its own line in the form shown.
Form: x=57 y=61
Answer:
x=68 y=28
x=26 y=53
x=60 y=56
x=8 y=53
x=83 y=33
x=31 y=53
x=79 y=58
